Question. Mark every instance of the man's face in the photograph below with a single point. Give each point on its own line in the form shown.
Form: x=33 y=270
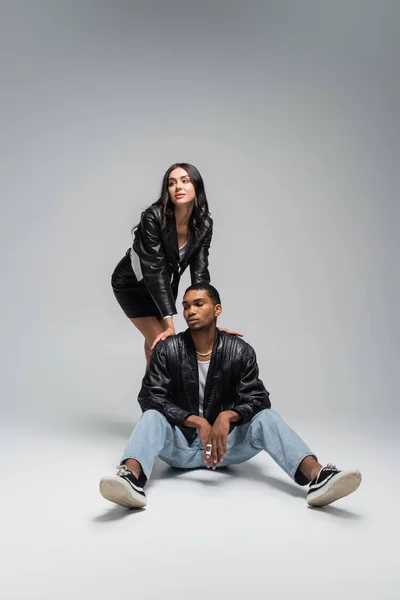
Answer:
x=199 y=310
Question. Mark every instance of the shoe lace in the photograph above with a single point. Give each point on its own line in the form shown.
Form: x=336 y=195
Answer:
x=122 y=470
x=330 y=467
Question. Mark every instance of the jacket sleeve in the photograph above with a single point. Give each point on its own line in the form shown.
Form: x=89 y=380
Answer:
x=199 y=263
x=154 y=266
x=156 y=387
x=252 y=397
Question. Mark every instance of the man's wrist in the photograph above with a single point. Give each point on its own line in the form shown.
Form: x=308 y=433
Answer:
x=230 y=415
x=194 y=421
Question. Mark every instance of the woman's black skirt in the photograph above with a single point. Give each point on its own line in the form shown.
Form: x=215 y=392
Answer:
x=132 y=295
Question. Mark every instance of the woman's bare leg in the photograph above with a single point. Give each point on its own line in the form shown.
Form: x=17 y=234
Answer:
x=149 y=327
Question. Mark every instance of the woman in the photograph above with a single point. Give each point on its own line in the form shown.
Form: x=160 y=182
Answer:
x=175 y=232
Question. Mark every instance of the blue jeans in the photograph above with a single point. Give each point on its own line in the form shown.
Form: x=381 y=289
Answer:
x=155 y=437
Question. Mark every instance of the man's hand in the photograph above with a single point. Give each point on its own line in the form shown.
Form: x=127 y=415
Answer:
x=218 y=437
x=204 y=434
x=202 y=426
x=213 y=438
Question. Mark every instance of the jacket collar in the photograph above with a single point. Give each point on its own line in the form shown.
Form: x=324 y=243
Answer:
x=191 y=350
x=171 y=233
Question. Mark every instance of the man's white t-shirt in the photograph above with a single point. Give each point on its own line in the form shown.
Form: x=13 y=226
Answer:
x=203 y=370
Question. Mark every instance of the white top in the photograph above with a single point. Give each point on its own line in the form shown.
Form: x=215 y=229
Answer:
x=182 y=251
x=203 y=370
x=136 y=266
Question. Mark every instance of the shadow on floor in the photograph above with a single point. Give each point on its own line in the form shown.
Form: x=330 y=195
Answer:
x=254 y=472
x=334 y=511
x=249 y=470
x=116 y=514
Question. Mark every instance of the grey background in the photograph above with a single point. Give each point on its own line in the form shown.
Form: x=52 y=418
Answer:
x=291 y=113
x=290 y=110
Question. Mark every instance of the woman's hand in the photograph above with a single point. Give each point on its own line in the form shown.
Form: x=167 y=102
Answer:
x=163 y=336
x=230 y=332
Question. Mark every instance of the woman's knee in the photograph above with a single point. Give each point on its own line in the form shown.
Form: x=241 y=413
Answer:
x=150 y=336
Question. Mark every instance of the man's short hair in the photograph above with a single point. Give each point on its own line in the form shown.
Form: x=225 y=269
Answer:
x=210 y=289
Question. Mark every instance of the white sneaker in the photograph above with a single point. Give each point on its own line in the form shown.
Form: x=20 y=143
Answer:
x=331 y=484
x=123 y=489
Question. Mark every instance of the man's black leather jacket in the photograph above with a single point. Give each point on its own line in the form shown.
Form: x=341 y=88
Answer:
x=171 y=384
x=157 y=248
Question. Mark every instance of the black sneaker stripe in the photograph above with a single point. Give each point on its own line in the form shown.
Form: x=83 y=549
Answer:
x=318 y=486
x=325 y=473
x=136 y=488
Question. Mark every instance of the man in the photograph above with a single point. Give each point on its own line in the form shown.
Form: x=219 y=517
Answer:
x=204 y=405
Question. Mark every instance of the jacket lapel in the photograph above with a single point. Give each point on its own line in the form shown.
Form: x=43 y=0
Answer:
x=171 y=235
x=190 y=374
x=214 y=374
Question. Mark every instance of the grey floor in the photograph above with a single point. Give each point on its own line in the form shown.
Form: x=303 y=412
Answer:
x=245 y=530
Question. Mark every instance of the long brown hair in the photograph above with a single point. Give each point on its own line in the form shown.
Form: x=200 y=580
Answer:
x=200 y=209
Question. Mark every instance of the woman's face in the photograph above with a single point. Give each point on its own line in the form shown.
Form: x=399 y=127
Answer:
x=180 y=188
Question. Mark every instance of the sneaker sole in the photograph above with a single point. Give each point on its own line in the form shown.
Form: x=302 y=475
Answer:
x=120 y=492
x=339 y=487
